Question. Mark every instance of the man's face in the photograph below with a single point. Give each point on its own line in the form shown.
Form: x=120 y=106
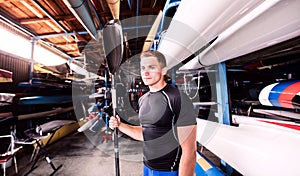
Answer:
x=151 y=71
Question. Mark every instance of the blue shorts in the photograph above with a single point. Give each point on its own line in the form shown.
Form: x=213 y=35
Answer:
x=150 y=172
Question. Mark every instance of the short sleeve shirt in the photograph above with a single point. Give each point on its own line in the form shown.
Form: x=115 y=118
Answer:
x=160 y=114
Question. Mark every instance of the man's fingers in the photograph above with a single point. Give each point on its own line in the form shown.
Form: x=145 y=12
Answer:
x=114 y=122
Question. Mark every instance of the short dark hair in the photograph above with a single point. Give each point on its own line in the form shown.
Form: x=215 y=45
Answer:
x=154 y=53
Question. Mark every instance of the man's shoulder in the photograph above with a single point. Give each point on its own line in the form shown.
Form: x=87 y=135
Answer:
x=176 y=91
x=171 y=89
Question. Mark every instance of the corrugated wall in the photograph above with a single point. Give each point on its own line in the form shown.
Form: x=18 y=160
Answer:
x=18 y=66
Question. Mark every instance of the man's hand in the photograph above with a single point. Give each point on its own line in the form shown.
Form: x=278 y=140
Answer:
x=133 y=131
x=114 y=122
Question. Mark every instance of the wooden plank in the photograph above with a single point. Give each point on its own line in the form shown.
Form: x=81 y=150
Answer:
x=8 y=1
x=33 y=20
x=13 y=10
x=56 y=9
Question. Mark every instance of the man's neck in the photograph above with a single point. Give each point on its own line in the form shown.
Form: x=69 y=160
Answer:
x=157 y=87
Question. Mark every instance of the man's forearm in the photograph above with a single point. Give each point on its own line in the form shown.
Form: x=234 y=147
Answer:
x=187 y=164
x=134 y=132
x=187 y=138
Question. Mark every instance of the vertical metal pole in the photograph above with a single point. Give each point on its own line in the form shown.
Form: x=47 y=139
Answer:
x=33 y=42
x=223 y=105
x=116 y=142
x=222 y=94
x=137 y=21
x=173 y=76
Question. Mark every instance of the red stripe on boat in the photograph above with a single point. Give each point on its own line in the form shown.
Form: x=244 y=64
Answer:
x=291 y=126
x=286 y=96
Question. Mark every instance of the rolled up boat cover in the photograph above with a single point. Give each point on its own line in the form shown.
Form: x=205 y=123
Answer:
x=5 y=76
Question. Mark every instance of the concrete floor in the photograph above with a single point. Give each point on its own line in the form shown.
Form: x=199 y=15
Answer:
x=84 y=154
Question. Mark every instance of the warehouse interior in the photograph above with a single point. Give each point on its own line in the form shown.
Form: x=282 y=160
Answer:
x=237 y=62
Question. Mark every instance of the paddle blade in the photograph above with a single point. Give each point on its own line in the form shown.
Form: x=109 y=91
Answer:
x=152 y=32
x=114 y=6
x=113 y=44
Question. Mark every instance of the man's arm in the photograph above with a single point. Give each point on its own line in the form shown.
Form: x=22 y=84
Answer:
x=134 y=132
x=187 y=139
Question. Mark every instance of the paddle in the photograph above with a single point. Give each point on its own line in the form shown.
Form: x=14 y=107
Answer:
x=113 y=48
x=113 y=44
x=152 y=32
x=114 y=6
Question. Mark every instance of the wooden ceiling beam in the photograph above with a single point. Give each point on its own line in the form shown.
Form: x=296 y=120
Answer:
x=63 y=44
x=37 y=20
x=75 y=53
x=51 y=21
x=33 y=20
x=5 y=1
x=71 y=17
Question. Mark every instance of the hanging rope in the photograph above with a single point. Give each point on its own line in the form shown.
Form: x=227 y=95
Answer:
x=188 y=87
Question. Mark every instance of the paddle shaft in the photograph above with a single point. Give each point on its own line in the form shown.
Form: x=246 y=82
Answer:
x=113 y=47
x=116 y=131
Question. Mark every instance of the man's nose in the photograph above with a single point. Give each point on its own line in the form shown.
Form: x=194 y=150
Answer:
x=146 y=72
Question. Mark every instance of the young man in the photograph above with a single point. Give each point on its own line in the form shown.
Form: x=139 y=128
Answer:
x=168 y=123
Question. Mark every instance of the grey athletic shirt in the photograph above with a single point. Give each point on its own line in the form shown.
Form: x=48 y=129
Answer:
x=160 y=113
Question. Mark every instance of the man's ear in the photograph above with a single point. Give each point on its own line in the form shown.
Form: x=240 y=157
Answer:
x=164 y=71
